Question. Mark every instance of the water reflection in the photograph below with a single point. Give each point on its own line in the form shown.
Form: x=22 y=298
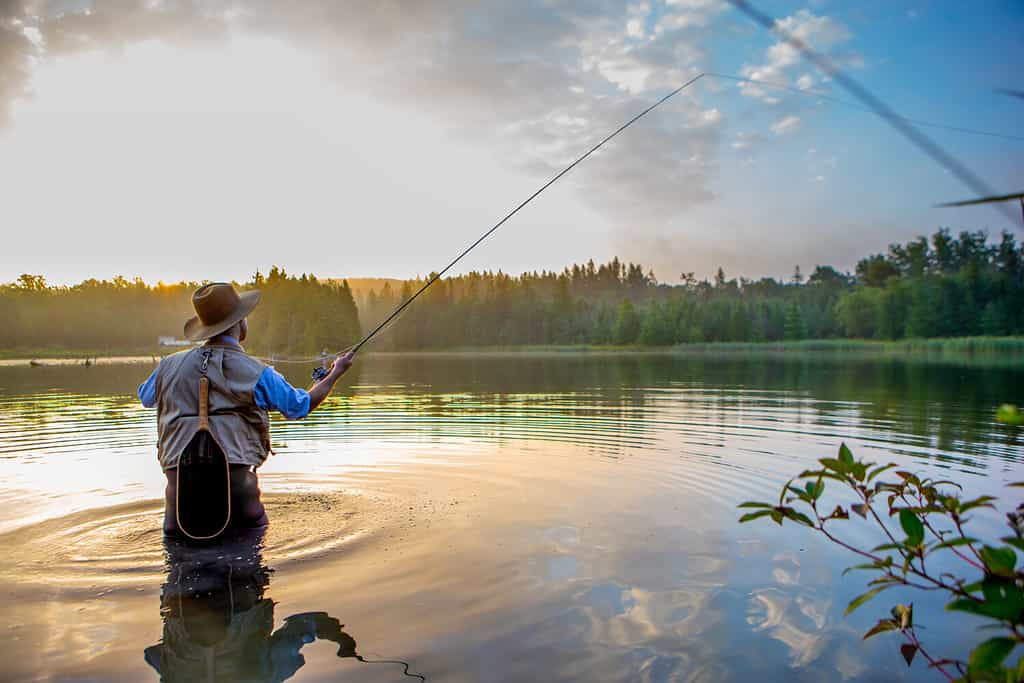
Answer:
x=218 y=621
x=519 y=517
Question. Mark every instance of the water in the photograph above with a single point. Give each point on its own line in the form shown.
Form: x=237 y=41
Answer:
x=468 y=518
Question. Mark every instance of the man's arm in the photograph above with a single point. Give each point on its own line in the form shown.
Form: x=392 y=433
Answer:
x=322 y=389
x=273 y=391
x=147 y=390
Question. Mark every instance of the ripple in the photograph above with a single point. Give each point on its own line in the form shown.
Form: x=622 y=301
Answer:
x=121 y=545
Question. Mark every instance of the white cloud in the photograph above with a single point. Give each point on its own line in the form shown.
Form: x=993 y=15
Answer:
x=786 y=125
x=821 y=33
x=517 y=77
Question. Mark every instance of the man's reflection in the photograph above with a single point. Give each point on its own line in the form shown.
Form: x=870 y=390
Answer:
x=219 y=624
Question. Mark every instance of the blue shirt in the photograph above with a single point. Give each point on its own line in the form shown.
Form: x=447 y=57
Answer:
x=272 y=390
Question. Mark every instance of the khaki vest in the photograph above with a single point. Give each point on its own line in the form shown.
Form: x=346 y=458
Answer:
x=238 y=425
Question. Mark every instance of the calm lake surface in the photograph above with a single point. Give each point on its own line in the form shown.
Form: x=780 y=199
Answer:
x=484 y=518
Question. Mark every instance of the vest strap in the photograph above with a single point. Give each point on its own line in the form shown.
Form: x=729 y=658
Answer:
x=204 y=403
x=204 y=393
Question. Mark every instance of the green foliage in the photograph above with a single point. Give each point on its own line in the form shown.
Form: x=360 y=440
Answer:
x=933 y=516
x=296 y=314
x=962 y=286
x=943 y=288
x=1009 y=414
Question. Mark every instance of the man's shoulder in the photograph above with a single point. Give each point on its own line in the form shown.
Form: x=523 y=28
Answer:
x=242 y=354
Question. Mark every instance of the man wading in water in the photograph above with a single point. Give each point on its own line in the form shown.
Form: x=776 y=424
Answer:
x=212 y=404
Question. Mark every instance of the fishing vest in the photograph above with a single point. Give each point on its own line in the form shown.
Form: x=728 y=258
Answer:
x=238 y=425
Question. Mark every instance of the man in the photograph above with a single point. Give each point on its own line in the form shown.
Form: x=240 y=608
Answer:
x=241 y=390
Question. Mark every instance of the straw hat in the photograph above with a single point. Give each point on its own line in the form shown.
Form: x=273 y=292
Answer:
x=218 y=307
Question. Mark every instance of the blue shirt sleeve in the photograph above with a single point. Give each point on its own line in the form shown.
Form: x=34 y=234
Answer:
x=147 y=390
x=272 y=392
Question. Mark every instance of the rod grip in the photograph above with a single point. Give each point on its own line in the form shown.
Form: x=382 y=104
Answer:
x=204 y=404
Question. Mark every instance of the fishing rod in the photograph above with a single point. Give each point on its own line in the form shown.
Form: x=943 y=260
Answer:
x=903 y=124
x=437 y=276
x=434 y=278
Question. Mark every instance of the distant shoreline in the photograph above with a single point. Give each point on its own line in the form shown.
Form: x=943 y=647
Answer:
x=1009 y=348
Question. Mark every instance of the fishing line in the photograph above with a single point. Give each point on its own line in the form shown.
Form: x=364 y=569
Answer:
x=437 y=276
x=902 y=124
x=825 y=96
x=922 y=141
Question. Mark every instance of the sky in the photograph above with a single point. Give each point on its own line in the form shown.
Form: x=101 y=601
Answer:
x=208 y=140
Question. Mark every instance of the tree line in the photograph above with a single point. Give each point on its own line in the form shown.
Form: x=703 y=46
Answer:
x=942 y=286
x=296 y=314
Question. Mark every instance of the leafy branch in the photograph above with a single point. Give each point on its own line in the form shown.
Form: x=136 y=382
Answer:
x=919 y=518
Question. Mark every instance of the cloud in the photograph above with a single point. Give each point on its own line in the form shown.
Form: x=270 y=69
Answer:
x=786 y=125
x=16 y=52
x=822 y=33
x=537 y=81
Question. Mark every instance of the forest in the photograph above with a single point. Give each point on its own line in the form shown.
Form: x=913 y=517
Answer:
x=296 y=314
x=945 y=286
x=942 y=286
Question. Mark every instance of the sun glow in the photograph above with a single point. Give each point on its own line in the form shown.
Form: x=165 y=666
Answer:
x=210 y=162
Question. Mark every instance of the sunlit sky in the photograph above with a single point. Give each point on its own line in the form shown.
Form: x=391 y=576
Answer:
x=208 y=140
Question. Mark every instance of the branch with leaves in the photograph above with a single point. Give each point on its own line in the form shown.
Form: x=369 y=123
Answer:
x=918 y=518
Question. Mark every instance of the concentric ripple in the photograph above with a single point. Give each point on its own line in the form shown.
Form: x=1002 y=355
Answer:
x=122 y=545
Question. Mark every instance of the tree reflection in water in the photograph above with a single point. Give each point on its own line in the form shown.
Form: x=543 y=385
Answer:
x=219 y=622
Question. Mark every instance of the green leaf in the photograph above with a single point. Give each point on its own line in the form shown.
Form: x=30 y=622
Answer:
x=755 y=515
x=985 y=608
x=752 y=504
x=990 y=654
x=954 y=542
x=856 y=567
x=1008 y=414
x=1014 y=541
x=878 y=470
x=784 y=489
x=815 y=489
x=912 y=526
x=811 y=474
x=908 y=650
x=881 y=627
x=845 y=456
x=908 y=478
x=1000 y=561
x=800 y=517
x=886 y=546
x=835 y=465
x=861 y=599
x=1004 y=595
x=981 y=501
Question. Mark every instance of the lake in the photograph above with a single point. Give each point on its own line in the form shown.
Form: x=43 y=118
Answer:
x=488 y=517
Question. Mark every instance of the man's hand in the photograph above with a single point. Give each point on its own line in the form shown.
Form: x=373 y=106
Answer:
x=342 y=363
x=319 y=391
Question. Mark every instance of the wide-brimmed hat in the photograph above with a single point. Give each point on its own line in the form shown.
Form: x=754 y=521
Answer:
x=218 y=307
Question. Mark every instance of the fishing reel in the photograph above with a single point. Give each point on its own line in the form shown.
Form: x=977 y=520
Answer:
x=320 y=372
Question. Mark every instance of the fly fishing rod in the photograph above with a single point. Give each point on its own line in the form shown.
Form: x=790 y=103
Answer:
x=871 y=103
x=437 y=276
